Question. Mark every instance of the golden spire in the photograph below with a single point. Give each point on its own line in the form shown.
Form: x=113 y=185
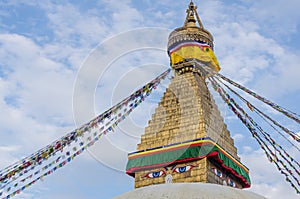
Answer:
x=190 y=17
x=192 y=41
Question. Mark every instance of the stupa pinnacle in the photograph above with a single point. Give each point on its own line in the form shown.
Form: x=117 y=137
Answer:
x=199 y=41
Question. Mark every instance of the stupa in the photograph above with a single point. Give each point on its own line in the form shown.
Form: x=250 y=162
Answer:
x=186 y=145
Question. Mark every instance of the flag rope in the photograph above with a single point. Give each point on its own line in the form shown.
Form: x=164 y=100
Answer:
x=251 y=127
x=64 y=150
x=283 y=110
x=265 y=116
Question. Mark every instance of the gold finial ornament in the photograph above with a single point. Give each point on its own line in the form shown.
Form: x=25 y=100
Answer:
x=190 y=30
x=190 y=16
x=192 y=41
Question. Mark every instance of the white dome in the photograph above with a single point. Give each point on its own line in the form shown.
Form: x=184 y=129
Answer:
x=190 y=191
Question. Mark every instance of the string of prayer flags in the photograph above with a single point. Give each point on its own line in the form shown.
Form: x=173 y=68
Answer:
x=286 y=112
x=264 y=134
x=253 y=127
x=59 y=153
x=265 y=116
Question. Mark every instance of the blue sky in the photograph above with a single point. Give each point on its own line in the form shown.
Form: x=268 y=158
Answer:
x=46 y=46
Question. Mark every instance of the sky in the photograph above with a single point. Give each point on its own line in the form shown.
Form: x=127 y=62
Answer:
x=64 y=62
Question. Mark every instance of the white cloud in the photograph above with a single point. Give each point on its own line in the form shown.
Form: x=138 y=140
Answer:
x=284 y=75
x=35 y=80
x=281 y=18
x=6 y=155
x=70 y=25
x=238 y=137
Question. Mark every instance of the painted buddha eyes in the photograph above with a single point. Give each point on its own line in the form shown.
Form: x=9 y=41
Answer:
x=155 y=174
x=228 y=181
x=183 y=169
x=231 y=183
x=219 y=173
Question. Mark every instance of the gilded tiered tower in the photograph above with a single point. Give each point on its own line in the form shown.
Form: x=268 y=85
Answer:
x=186 y=139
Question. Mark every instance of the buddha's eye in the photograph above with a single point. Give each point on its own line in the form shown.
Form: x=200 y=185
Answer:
x=183 y=169
x=231 y=183
x=218 y=172
x=155 y=174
